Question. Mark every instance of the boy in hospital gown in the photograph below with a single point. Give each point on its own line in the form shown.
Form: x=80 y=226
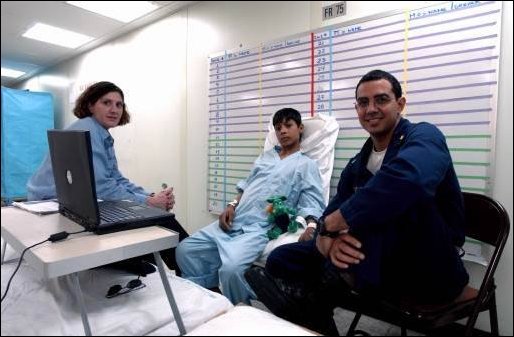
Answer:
x=221 y=252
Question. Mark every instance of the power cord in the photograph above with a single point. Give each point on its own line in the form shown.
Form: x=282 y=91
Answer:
x=52 y=238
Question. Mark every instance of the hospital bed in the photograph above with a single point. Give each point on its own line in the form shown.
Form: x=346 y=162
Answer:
x=39 y=306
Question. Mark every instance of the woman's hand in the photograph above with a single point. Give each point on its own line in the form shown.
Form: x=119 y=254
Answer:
x=164 y=199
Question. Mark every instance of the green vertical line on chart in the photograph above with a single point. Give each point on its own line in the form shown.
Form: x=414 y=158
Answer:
x=405 y=56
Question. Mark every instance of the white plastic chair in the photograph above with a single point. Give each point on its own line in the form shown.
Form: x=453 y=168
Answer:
x=318 y=142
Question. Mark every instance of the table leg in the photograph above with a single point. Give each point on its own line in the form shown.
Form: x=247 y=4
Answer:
x=80 y=298
x=169 y=294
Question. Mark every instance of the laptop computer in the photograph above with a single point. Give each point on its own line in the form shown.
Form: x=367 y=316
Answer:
x=72 y=163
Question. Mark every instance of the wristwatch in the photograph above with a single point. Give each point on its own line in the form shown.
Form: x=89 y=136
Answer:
x=322 y=231
x=311 y=222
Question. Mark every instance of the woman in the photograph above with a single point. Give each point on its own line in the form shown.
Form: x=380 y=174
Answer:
x=99 y=108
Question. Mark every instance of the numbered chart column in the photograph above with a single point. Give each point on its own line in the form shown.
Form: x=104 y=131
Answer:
x=217 y=198
x=322 y=73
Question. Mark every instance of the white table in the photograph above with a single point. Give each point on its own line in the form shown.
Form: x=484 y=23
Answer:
x=83 y=251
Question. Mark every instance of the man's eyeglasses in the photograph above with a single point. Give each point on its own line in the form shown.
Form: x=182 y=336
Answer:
x=117 y=289
x=379 y=101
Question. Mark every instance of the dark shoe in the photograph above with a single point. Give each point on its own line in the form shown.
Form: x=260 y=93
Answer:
x=216 y=290
x=134 y=266
x=168 y=257
x=282 y=300
x=268 y=292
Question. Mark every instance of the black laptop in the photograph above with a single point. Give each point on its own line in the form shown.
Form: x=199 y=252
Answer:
x=72 y=163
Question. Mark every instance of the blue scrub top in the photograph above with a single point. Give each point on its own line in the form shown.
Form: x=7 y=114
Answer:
x=110 y=183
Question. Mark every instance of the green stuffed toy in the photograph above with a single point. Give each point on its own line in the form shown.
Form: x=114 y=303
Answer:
x=281 y=217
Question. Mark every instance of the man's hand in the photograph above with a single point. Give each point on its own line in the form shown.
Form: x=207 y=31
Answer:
x=345 y=250
x=307 y=235
x=324 y=243
x=335 y=222
x=226 y=218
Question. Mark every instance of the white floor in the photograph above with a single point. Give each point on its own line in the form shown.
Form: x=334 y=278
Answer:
x=343 y=319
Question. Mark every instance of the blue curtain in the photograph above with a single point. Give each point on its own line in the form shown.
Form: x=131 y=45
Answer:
x=25 y=118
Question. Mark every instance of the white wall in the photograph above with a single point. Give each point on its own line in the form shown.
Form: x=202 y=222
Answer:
x=502 y=188
x=149 y=65
x=163 y=70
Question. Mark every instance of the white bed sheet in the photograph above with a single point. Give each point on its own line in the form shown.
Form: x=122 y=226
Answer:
x=35 y=306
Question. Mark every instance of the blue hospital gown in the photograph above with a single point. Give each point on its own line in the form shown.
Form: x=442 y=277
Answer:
x=211 y=256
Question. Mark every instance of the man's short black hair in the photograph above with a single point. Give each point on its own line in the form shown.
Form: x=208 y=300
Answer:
x=376 y=75
x=285 y=114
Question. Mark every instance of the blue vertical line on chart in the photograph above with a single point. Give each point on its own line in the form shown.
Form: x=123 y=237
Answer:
x=225 y=128
x=330 y=74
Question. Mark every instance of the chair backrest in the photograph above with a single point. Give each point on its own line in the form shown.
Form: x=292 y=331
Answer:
x=318 y=143
x=486 y=221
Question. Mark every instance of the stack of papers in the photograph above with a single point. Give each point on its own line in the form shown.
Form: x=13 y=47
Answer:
x=474 y=252
x=39 y=207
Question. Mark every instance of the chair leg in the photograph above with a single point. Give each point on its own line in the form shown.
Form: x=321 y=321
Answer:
x=355 y=321
x=470 y=324
x=493 y=316
x=404 y=331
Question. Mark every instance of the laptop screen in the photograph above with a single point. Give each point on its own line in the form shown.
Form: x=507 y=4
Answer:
x=72 y=164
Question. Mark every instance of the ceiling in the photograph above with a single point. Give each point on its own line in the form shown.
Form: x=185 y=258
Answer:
x=34 y=56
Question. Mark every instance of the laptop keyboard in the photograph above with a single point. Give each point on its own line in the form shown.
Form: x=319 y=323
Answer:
x=115 y=214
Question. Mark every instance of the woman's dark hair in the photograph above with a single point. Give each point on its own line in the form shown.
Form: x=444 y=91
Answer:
x=92 y=94
x=285 y=114
x=376 y=75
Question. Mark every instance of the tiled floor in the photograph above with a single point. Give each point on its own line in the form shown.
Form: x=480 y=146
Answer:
x=343 y=318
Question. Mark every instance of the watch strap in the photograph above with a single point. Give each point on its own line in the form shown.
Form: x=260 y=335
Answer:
x=322 y=231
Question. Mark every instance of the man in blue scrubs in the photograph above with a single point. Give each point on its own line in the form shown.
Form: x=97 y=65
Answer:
x=391 y=230
x=220 y=253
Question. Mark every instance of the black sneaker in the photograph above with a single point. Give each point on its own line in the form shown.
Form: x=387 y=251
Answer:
x=268 y=292
x=281 y=299
x=135 y=266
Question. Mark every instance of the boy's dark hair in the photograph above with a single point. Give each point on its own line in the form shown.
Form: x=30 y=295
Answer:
x=376 y=75
x=285 y=114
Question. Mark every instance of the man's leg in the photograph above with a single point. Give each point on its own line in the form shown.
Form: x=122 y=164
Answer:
x=294 y=287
